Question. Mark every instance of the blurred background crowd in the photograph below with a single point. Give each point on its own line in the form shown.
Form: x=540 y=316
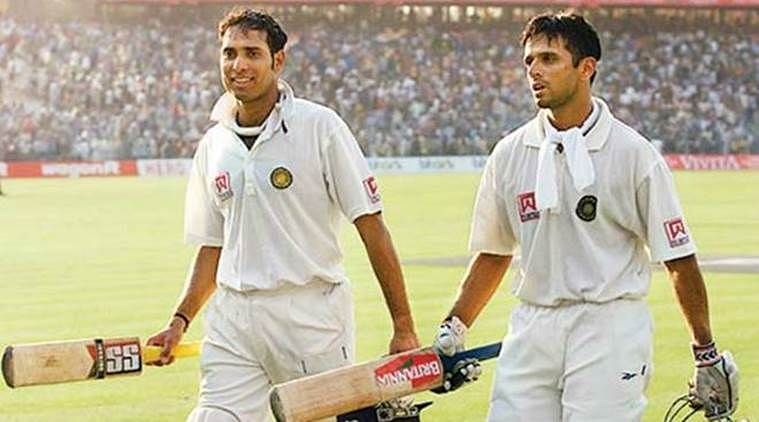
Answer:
x=140 y=83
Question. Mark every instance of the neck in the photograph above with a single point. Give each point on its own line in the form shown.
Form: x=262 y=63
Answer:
x=254 y=113
x=571 y=114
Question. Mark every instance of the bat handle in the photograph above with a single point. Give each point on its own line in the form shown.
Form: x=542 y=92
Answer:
x=480 y=353
x=182 y=350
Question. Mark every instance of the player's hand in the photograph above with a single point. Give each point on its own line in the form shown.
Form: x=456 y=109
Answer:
x=714 y=386
x=403 y=341
x=450 y=337
x=464 y=372
x=168 y=340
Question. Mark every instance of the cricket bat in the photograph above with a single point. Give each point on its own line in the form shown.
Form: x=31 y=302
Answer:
x=366 y=384
x=79 y=360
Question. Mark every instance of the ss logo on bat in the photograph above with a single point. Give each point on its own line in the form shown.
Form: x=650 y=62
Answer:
x=121 y=358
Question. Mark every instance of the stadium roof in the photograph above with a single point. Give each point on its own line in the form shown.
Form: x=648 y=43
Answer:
x=573 y=3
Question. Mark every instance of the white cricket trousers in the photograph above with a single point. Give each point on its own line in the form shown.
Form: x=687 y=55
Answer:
x=584 y=362
x=257 y=339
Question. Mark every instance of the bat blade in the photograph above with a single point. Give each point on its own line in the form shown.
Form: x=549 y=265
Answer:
x=78 y=360
x=365 y=384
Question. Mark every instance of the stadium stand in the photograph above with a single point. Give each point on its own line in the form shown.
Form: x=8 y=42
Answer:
x=137 y=81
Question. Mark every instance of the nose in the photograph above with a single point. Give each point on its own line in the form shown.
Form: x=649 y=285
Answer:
x=240 y=63
x=533 y=70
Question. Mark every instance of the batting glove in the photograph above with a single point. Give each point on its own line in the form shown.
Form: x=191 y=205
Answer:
x=714 y=386
x=450 y=337
x=464 y=372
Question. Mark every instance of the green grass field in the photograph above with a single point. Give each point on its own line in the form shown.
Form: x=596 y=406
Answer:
x=103 y=257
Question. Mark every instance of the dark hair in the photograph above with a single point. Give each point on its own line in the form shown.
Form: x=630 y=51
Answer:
x=579 y=36
x=249 y=19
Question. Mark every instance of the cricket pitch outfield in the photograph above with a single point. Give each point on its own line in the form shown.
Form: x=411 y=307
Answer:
x=103 y=257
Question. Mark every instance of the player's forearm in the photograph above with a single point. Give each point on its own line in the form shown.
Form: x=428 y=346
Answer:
x=201 y=281
x=483 y=277
x=387 y=269
x=691 y=294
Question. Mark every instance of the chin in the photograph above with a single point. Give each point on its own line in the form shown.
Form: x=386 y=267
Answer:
x=244 y=97
x=542 y=103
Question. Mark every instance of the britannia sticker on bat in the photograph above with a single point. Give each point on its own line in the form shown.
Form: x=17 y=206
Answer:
x=676 y=232
x=419 y=369
x=114 y=358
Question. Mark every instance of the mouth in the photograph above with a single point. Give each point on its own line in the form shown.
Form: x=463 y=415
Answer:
x=538 y=87
x=241 y=82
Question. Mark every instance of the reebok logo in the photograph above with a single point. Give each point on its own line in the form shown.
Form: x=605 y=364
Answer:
x=627 y=376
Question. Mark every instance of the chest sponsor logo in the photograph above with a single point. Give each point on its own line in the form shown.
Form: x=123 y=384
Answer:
x=281 y=178
x=676 y=232
x=586 y=208
x=418 y=369
x=527 y=207
x=223 y=185
x=372 y=189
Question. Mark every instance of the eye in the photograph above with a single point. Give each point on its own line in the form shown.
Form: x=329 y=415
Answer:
x=228 y=53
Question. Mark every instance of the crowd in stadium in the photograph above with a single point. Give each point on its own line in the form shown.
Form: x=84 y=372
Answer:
x=93 y=90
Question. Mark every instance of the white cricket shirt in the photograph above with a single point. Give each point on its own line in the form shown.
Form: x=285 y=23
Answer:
x=599 y=245
x=276 y=209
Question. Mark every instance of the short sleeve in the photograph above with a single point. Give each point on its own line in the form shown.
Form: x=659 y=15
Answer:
x=491 y=231
x=348 y=176
x=203 y=223
x=667 y=233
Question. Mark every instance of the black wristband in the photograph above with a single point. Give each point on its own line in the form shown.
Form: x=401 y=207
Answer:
x=183 y=318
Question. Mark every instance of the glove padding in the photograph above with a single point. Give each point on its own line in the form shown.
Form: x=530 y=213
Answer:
x=464 y=371
x=450 y=337
x=714 y=386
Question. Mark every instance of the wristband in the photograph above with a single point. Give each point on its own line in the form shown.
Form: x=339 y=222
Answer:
x=183 y=318
x=705 y=355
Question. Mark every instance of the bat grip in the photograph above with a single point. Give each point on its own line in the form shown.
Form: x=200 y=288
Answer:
x=182 y=350
x=480 y=353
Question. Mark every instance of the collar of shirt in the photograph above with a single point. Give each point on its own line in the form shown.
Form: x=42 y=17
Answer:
x=596 y=128
x=225 y=112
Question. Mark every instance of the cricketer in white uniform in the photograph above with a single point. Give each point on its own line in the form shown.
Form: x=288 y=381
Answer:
x=589 y=202
x=269 y=185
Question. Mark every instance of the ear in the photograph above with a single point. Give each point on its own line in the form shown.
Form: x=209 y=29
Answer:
x=587 y=67
x=279 y=61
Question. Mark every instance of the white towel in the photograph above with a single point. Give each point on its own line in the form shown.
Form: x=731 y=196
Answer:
x=225 y=112
x=578 y=160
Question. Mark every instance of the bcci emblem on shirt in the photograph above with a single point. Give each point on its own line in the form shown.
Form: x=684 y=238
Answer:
x=223 y=186
x=281 y=178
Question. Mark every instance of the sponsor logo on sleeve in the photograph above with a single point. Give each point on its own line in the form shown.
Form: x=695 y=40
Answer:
x=417 y=369
x=676 y=232
x=372 y=189
x=528 y=208
x=223 y=186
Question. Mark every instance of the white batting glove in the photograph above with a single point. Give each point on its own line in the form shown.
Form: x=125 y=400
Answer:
x=714 y=386
x=450 y=337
